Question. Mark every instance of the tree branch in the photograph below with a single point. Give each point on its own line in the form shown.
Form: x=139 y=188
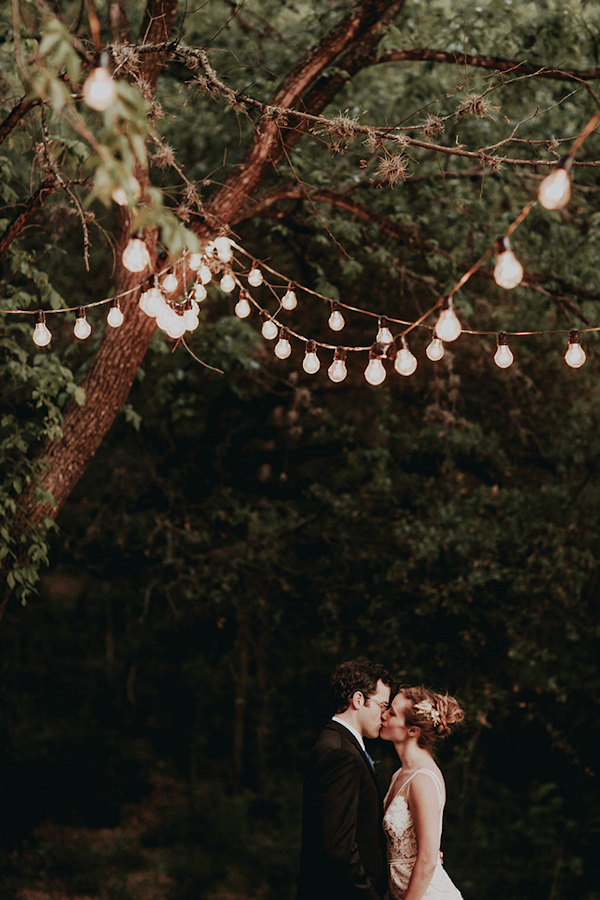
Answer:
x=48 y=186
x=15 y=116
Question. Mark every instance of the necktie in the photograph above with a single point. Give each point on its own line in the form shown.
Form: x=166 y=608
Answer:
x=371 y=763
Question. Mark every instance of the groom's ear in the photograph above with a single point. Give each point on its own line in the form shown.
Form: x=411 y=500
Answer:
x=357 y=700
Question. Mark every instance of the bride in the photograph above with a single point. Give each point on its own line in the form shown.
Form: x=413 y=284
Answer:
x=414 y=803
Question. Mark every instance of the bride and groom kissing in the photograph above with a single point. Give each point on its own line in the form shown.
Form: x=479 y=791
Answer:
x=356 y=843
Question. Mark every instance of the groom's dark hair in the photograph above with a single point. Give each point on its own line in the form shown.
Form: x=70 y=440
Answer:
x=356 y=675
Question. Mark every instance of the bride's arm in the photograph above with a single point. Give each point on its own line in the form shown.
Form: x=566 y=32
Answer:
x=424 y=806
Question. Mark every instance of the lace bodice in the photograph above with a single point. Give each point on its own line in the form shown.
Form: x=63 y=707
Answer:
x=402 y=845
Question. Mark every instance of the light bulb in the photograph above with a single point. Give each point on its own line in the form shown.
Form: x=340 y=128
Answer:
x=242 y=307
x=448 y=326
x=435 y=350
x=224 y=249
x=82 y=329
x=337 y=371
x=199 y=292
x=205 y=274
x=555 y=190
x=311 y=362
x=176 y=327
x=384 y=335
x=115 y=316
x=167 y=318
x=190 y=319
x=194 y=261
x=171 y=283
x=135 y=255
x=283 y=348
x=336 y=320
x=289 y=300
x=41 y=333
x=375 y=372
x=120 y=195
x=508 y=271
x=269 y=330
x=503 y=356
x=152 y=301
x=405 y=362
x=575 y=355
x=255 y=278
x=227 y=283
x=99 y=89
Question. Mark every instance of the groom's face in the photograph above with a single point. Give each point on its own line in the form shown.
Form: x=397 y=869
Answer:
x=370 y=714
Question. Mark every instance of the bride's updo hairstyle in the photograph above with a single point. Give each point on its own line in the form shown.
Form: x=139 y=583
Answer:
x=434 y=714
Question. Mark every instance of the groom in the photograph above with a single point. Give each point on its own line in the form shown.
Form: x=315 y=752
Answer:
x=343 y=853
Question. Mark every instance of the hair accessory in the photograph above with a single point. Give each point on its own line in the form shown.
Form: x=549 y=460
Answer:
x=427 y=710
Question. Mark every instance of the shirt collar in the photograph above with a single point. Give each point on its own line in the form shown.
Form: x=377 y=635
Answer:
x=352 y=730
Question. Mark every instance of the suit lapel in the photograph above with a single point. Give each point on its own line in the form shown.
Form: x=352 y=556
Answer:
x=348 y=736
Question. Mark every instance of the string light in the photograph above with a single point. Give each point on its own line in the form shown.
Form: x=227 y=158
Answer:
x=311 y=362
x=190 y=315
x=82 y=328
x=508 y=271
x=205 y=274
x=337 y=371
x=289 y=300
x=575 y=355
x=448 y=327
x=99 y=89
x=170 y=283
x=115 y=316
x=135 y=256
x=152 y=300
x=224 y=248
x=435 y=350
x=195 y=261
x=405 y=362
x=555 y=190
x=283 y=348
x=242 y=307
x=41 y=333
x=336 y=319
x=200 y=292
x=384 y=335
x=375 y=372
x=269 y=329
x=503 y=356
x=227 y=283
x=255 y=277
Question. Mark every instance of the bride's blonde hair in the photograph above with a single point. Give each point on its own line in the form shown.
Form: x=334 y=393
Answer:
x=435 y=714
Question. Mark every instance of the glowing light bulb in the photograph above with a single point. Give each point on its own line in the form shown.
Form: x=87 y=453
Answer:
x=575 y=355
x=122 y=197
x=171 y=283
x=242 y=307
x=190 y=319
x=269 y=330
x=82 y=329
x=336 y=319
x=375 y=372
x=205 y=274
x=405 y=362
x=199 y=292
x=135 y=255
x=176 y=327
x=448 y=326
x=152 y=301
x=167 y=319
x=555 y=190
x=194 y=261
x=227 y=283
x=224 y=249
x=503 y=356
x=41 y=333
x=289 y=300
x=283 y=348
x=508 y=271
x=337 y=371
x=99 y=89
x=384 y=335
x=115 y=316
x=311 y=362
x=255 y=278
x=435 y=350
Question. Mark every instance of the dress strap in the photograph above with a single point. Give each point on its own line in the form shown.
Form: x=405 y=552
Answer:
x=436 y=780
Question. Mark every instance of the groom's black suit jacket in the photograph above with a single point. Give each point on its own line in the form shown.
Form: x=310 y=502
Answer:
x=343 y=853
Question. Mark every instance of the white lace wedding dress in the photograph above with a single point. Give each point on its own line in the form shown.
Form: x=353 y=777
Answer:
x=402 y=844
